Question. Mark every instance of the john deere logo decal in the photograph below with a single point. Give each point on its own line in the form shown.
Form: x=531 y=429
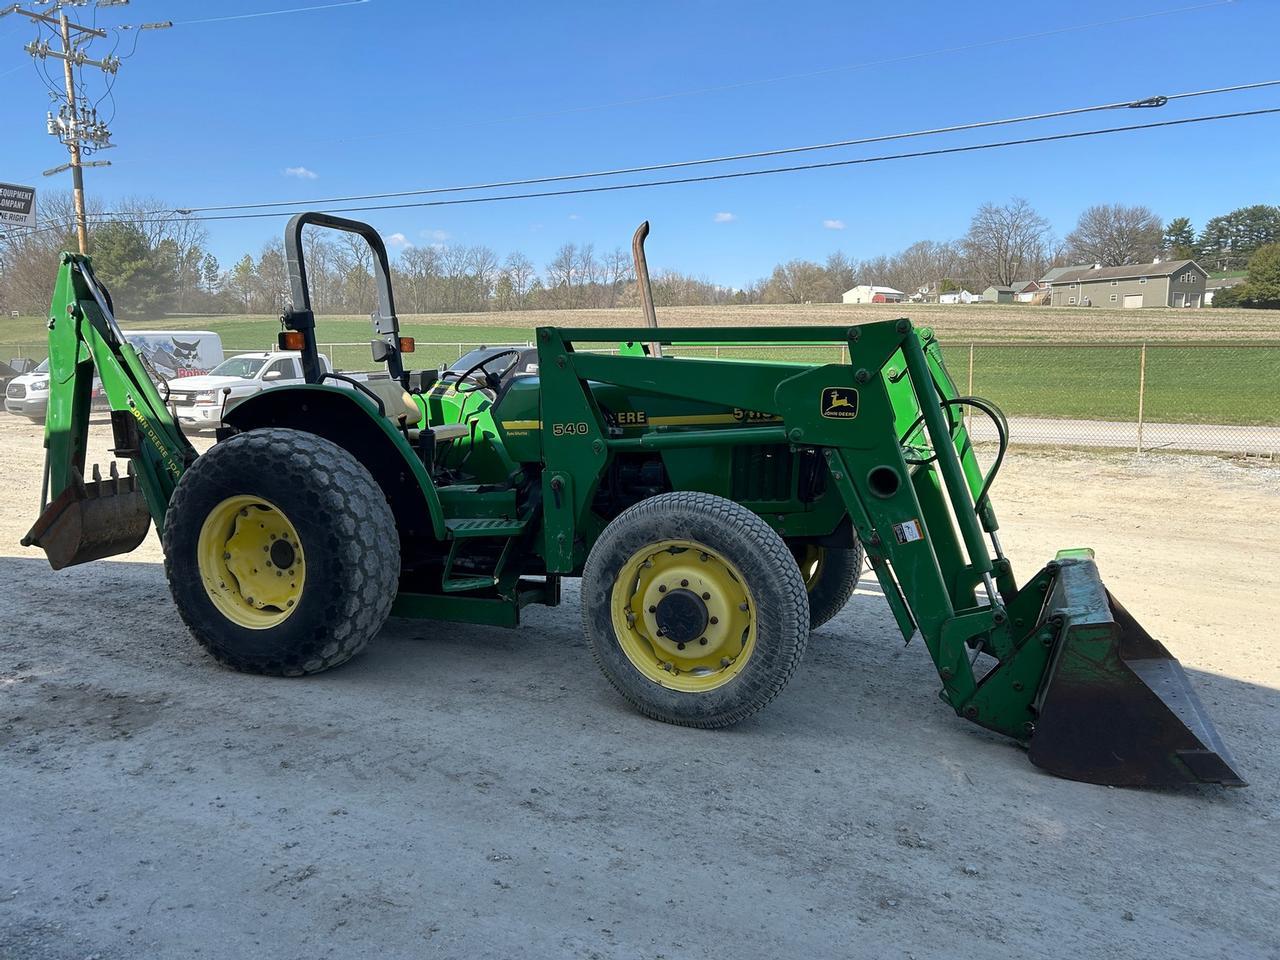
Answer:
x=839 y=403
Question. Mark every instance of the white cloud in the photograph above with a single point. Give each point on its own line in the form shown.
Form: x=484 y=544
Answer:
x=724 y=217
x=574 y=216
x=398 y=241
x=302 y=173
x=435 y=236
x=833 y=224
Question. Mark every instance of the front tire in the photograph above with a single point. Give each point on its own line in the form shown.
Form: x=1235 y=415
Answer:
x=694 y=609
x=281 y=552
x=830 y=577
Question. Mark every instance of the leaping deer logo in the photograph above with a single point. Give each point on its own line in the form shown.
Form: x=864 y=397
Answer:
x=839 y=402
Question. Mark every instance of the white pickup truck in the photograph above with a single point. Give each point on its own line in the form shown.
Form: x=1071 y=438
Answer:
x=199 y=402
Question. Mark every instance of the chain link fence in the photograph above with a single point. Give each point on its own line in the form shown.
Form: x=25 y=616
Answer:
x=1210 y=397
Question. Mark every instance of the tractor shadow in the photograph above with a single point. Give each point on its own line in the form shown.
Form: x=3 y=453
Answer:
x=858 y=688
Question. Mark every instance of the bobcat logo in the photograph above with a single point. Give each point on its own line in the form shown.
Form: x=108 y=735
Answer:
x=839 y=403
x=186 y=353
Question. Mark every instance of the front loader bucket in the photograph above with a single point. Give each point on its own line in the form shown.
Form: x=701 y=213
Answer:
x=89 y=521
x=1115 y=706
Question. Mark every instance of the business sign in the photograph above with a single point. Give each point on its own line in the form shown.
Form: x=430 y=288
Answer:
x=17 y=205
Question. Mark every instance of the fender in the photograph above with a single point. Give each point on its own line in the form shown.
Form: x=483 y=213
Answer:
x=352 y=421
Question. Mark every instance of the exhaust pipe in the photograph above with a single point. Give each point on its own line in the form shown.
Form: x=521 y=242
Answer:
x=642 y=281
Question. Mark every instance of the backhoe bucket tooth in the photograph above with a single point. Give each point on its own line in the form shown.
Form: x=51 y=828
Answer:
x=1115 y=706
x=89 y=521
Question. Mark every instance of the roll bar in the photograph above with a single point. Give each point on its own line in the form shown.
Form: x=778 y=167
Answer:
x=386 y=346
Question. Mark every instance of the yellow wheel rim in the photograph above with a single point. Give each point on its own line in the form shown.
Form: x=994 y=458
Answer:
x=811 y=559
x=684 y=616
x=251 y=562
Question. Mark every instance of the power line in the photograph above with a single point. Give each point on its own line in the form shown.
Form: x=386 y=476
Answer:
x=271 y=13
x=609 y=188
x=1148 y=102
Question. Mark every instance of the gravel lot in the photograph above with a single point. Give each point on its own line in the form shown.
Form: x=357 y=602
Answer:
x=464 y=792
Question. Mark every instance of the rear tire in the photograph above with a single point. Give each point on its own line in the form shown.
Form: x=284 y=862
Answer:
x=694 y=609
x=307 y=504
x=830 y=575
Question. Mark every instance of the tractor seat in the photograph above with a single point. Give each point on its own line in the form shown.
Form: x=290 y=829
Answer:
x=397 y=403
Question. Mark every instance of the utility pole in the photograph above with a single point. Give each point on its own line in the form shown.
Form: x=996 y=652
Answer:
x=73 y=144
x=76 y=125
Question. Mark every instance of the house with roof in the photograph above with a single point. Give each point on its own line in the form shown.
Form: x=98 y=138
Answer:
x=1214 y=284
x=1000 y=293
x=869 y=293
x=1029 y=291
x=1168 y=283
x=958 y=296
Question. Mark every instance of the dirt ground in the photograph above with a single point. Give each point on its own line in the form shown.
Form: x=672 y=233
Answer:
x=464 y=792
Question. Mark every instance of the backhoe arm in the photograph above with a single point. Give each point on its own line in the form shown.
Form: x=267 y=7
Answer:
x=87 y=520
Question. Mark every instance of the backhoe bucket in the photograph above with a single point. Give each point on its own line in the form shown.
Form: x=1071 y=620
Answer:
x=1115 y=706
x=89 y=521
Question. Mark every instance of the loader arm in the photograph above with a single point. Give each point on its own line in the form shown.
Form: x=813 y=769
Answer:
x=87 y=519
x=1070 y=673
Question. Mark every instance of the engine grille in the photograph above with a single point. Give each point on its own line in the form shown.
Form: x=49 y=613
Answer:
x=16 y=390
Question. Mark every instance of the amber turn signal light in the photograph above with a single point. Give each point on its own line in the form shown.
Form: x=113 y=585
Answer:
x=290 y=340
x=406 y=344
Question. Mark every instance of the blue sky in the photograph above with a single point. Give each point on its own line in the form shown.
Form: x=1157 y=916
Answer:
x=396 y=95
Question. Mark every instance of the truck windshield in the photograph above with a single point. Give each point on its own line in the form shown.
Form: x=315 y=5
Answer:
x=242 y=367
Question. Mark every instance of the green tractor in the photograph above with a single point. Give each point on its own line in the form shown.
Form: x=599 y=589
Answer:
x=715 y=510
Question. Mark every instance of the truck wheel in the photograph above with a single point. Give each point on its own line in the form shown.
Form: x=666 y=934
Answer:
x=694 y=609
x=281 y=552
x=830 y=576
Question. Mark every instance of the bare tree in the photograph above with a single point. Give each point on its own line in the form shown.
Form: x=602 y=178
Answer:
x=617 y=273
x=1112 y=234
x=796 y=281
x=418 y=276
x=922 y=267
x=585 y=269
x=560 y=272
x=519 y=273
x=1005 y=243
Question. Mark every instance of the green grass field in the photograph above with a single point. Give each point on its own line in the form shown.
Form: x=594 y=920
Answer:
x=1233 y=380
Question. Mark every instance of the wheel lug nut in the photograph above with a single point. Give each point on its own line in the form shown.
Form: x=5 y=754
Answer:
x=652 y=608
x=706 y=596
x=702 y=641
x=684 y=583
x=662 y=588
x=725 y=661
x=714 y=620
x=679 y=646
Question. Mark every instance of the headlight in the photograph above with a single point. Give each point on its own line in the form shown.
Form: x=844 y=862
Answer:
x=208 y=396
x=40 y=385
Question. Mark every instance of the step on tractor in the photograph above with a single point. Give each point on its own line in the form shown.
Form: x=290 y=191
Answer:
x=716 y=510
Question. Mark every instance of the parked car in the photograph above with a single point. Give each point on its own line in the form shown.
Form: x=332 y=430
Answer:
x=199 y=402
x=27 y=395
x=13 y=369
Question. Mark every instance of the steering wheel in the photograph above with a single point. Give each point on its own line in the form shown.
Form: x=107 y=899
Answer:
x=468 y=374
